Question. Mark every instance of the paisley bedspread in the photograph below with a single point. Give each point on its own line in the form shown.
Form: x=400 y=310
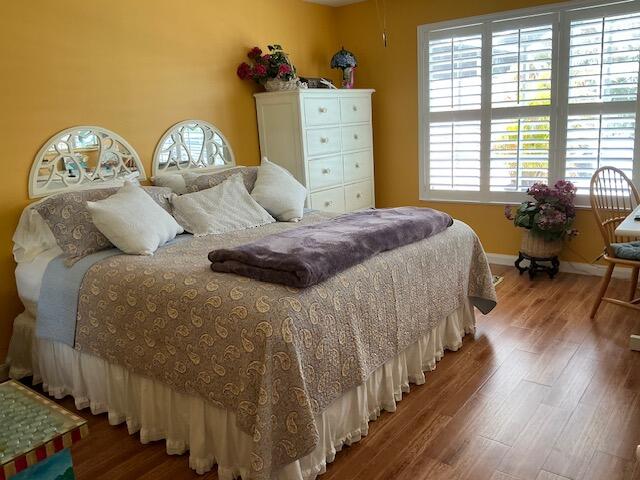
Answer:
x=274 y=355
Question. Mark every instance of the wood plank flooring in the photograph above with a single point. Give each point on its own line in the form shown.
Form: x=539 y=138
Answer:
x=540 y=392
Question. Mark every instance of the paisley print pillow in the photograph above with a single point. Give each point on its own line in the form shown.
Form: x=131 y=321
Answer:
x=198 y=182
x=69 y=219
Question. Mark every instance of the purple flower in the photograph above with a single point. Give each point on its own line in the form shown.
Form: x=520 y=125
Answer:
x=507 y=212
x=551 y=213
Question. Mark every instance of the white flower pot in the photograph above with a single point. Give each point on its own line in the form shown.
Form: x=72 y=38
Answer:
x=277 y=85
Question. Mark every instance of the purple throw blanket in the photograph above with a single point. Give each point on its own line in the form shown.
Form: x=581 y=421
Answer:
x=305 y=256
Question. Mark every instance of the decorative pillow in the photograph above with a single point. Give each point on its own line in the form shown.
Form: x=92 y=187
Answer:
x=224 y=208
x=133 y=221
x=69 y=219
x=279 y=192
x=196 y=182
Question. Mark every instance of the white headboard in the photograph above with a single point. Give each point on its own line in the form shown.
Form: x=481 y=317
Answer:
x=192 y=145
x=80 y=157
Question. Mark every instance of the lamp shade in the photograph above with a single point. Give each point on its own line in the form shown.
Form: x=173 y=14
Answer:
x=344 y=59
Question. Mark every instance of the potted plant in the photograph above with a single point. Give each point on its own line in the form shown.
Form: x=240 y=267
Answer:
x=546 y=220
x=273 y=70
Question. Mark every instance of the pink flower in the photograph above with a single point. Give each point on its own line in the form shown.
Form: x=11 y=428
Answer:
x=244 y=71
x=254 y=53
x=284 y=69
x=259 y=71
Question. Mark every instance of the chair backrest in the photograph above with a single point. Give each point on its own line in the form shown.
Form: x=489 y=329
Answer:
x=613 y=198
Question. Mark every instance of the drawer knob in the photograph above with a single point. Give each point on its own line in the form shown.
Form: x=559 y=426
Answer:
x=328 y=203
x=324 y=139
x=326 y=171
x=357 y=165
x=355 y=108
x=358 y=195
x=355 y=136
x=323 y=109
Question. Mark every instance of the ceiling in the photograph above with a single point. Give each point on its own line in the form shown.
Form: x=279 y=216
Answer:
x=334 y=3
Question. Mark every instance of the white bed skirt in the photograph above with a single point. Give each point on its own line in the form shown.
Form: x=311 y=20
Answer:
x=209 y=433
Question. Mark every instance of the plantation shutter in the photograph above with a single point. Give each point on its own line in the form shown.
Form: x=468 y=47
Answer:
x=521 y=74
x=454 y=93
x=604 y=54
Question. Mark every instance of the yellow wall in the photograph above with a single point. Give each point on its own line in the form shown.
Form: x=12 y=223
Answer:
x=392 y=71
x=135 y=67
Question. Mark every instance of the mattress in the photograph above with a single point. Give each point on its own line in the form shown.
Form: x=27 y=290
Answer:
x=29 y=279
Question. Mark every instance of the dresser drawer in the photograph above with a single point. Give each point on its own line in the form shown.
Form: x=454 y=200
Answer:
x=356 y=136
x=357 y=166
x=321 y=111
x=323 y=141
x=355 y=109
x=325 y=172
x=358 y=196
x=329 y=200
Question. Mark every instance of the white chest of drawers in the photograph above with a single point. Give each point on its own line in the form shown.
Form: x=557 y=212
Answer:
x=324 y=138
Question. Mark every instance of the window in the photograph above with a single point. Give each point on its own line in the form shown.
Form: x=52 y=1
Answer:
x=530 y=96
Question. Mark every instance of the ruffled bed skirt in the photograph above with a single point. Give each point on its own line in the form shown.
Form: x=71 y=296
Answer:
x=209 y=433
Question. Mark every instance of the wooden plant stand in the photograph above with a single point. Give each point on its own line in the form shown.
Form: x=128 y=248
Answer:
x=535 y=267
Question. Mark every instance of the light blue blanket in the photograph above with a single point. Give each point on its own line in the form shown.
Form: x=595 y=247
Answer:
x=58 y=301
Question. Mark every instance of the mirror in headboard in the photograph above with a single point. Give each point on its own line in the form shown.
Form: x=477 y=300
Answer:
x=80 y=157
x=192 y=145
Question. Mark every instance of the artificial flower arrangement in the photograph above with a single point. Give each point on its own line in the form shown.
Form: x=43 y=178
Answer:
x=269 y=67
x=551 y=214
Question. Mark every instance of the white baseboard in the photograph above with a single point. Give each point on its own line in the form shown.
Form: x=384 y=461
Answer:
x=568 y=267
x=4 y=372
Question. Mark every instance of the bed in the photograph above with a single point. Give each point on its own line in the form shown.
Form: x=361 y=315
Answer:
x=264 y=380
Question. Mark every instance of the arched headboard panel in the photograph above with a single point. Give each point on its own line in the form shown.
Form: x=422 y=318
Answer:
x=192 y=145
x=81 y=157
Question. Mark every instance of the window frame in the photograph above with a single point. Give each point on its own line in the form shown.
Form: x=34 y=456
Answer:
x=560 y=16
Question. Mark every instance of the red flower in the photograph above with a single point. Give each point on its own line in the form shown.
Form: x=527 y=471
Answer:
x=259 y=71
x=244 y=71
x=254 y=53
x=283 y=69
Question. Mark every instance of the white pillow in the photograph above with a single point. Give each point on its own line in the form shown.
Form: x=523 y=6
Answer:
x=32 y=236
x=174 y=181
x=133 y=221
x=279 y=192
x=224 y=208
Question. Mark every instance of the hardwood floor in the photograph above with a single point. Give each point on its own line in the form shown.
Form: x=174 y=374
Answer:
x=540 y=392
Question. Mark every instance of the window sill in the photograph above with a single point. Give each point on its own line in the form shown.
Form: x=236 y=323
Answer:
x=481 y=202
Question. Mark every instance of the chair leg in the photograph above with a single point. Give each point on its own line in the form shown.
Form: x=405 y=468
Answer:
x=603 y=288
x=634 y=283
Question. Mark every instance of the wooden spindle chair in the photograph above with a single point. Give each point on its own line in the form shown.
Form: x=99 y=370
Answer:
x=613 y=198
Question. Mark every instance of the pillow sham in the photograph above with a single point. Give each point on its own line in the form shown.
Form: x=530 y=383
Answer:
x=70 y=221
x=132 y=221
x=174 y=181
x=196 y=182
x=279 y=192
x=227 y=207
